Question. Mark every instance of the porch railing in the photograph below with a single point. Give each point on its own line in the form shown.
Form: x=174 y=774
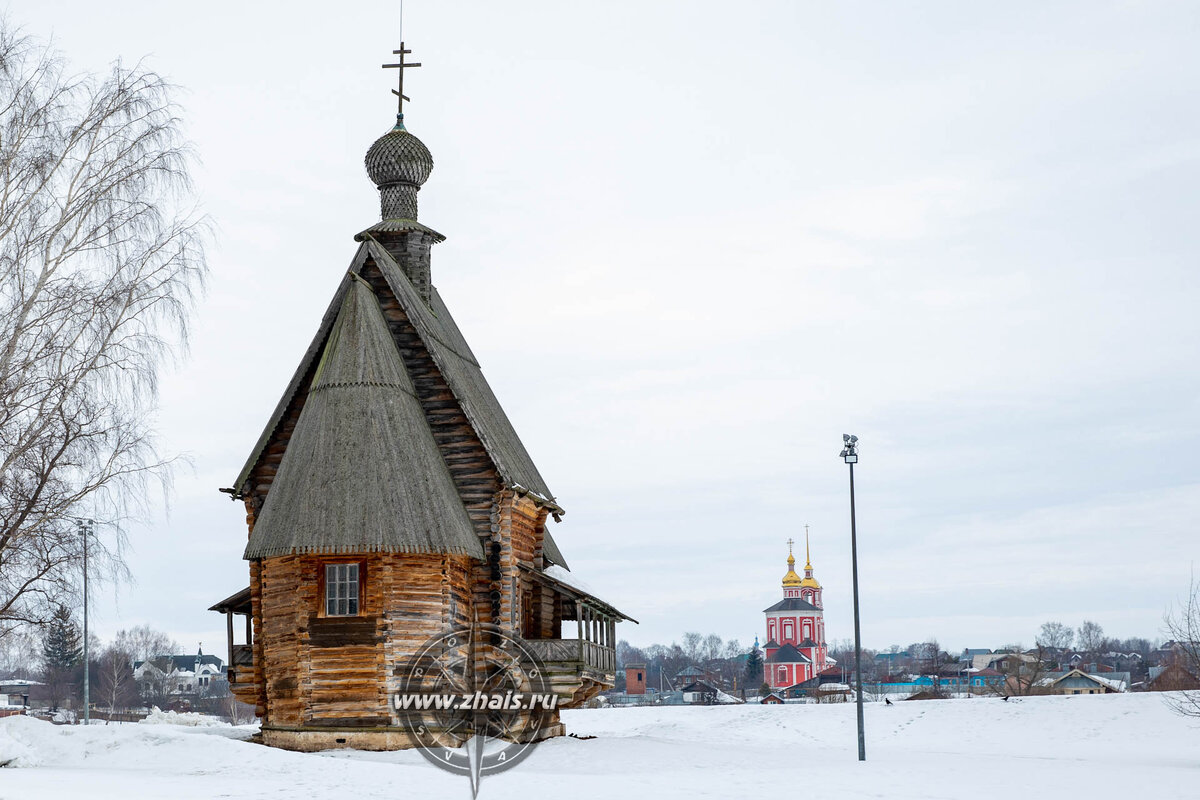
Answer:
x=593 y=655
x=243 y=656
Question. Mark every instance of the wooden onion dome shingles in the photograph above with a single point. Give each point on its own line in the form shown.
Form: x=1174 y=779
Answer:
x=436 y=339
x=362 y=472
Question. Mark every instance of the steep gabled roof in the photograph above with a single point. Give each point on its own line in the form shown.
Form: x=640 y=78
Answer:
x=362 y=472
x=464 y=376
x=183 y=663
x=459 y=367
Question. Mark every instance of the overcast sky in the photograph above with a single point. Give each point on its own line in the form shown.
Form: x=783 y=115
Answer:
x=692 y=243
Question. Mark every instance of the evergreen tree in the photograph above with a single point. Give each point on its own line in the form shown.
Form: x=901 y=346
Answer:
x=754 y=666
x=61 y=646
x=62 y=651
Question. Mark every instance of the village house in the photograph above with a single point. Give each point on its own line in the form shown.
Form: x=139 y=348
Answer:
x=178 y=675
x=1173 y=677
x=15 y=692
x=389 y=500
x=1077 y=681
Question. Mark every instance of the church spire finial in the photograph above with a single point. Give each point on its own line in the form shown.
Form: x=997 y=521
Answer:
x=791 y=578
x=808 y=580
x=400 y=66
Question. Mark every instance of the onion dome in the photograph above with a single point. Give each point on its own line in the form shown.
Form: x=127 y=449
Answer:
x=398 y=163
x=791 y=578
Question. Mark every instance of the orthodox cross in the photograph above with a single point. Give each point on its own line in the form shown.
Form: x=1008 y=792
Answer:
x=400 y=66
x=790 y=543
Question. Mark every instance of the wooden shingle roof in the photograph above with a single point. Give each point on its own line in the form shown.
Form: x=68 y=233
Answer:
x=362 y=472
x=458 y=366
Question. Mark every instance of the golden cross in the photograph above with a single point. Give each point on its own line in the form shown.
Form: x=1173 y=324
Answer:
x=400 y=66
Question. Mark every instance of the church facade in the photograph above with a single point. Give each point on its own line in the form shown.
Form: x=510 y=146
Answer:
x=795 y=650
x=388 y=500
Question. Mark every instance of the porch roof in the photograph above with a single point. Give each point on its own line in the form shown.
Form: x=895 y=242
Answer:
x=575 y=593
x=236 y=603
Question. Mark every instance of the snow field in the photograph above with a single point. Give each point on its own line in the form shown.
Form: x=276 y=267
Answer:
x=1111 y=746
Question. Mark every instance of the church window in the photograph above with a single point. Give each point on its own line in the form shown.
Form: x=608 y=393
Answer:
x=341 y=590
x=787 y=631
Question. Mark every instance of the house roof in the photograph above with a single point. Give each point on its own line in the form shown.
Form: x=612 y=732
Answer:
x=183 y=663
x=1116 y=681
x=792 y=604
x=699 y=686
x=788 y=654
x=689 y=671
x=362 y=472
x=457 y=365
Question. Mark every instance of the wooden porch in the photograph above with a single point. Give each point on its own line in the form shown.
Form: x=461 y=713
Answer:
x=240 y=672
x=586 y=665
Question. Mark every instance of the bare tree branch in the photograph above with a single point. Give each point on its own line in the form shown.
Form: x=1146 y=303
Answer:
x=99 y=268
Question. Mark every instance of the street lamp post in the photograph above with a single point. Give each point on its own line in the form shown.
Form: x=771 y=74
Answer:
x=850 y=455
x=85 y=528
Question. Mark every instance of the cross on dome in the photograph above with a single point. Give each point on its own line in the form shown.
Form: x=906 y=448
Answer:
x=400 y=66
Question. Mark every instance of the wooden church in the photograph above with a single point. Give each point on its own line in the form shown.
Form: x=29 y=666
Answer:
x=389 y=499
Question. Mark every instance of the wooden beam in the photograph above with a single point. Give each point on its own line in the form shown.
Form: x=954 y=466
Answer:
x=229 y=637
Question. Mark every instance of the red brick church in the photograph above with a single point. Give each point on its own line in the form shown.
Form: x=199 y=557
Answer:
x=795 y=650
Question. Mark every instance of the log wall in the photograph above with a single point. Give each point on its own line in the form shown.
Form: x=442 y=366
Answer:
x=340 y=672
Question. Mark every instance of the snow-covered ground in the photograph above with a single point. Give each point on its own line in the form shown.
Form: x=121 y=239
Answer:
x=1099 y=747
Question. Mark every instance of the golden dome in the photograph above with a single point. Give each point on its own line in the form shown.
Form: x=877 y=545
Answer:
x=791 y=579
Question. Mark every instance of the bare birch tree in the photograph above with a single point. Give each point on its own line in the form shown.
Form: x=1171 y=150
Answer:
x=1183 y=625
x=1090 y=637
x=116 y=683
x=142 y=643
x=1055 y=636
x=99 y=263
